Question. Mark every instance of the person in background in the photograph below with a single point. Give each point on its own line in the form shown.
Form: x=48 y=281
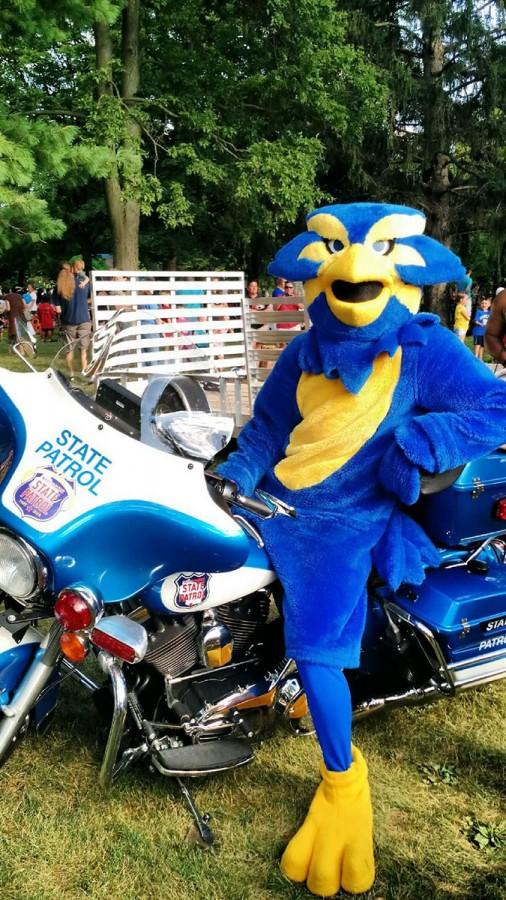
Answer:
x=30 y=300
x=464 y=287
x=252 y=290
x=47 y=317
x=252 y=294
x=279 y=290
x=15 y=310
x=462 y=317
x=495 y=332
x=288 y=307
x=75 y=316
x=478 y=325
x=81 y=276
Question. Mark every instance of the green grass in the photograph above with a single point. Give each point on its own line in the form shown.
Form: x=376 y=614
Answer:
x=61 y=836
x=45 y=354
x=432 y=770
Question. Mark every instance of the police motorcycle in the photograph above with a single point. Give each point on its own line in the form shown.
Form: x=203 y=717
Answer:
x=114 y=533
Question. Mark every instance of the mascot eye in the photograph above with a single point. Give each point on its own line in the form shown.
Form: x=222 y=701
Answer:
x=335 y=246
x=383 y=247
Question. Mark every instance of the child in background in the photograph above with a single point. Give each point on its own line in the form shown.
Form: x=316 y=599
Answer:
x=479 y=324
x=462 y=317
x=47 y=317
x=81 y=276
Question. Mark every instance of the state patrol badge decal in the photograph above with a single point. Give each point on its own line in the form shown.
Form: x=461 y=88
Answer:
x=191 y=590
x=43 y=494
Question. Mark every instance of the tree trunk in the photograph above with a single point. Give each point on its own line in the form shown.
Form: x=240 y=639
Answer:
x=436 y=160
x=123 y=209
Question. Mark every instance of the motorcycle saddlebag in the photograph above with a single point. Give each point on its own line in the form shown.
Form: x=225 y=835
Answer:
x=465 y=610
x=466 y=511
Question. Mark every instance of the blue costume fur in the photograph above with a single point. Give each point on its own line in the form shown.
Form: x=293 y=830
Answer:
x=354 y=408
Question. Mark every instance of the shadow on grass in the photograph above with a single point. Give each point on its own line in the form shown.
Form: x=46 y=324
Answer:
x=400 y=879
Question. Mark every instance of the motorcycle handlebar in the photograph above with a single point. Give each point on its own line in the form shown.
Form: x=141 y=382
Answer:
x=228 y=490
x=254 y=505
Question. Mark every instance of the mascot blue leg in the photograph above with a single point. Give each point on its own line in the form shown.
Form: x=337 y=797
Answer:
x=329 y=700
x=333 y=848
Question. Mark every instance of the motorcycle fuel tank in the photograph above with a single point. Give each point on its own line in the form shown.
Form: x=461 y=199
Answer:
x=465 y=512
x=465 y=609
x=183 y=592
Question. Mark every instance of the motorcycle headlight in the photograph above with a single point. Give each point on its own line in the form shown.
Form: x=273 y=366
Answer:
x=22 y=573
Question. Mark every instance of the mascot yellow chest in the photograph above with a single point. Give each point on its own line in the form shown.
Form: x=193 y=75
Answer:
x=336 y=423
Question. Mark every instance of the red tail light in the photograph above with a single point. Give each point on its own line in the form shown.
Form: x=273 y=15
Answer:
x=113 y=646
x=500 y=509
x=76 y=609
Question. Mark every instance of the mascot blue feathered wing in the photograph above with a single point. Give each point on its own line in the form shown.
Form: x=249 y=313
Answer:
x=355 y=407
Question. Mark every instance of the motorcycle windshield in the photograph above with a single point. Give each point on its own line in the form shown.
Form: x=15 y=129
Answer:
x=104 y=509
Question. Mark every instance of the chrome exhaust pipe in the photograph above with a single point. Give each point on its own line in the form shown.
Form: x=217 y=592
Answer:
x=411 y=697
x=474 y=672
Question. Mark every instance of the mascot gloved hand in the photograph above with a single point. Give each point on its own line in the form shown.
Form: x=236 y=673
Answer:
x=372 y=393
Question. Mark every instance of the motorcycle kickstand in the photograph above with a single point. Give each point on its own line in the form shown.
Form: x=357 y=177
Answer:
x=201 y=821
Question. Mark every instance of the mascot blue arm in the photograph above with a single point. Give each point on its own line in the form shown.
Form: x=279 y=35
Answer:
x=467 y=407
x=351 y=412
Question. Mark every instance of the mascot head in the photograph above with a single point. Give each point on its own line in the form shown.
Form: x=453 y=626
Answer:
x=358 y=256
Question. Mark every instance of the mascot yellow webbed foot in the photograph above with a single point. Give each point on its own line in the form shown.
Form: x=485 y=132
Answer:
x=333 y=849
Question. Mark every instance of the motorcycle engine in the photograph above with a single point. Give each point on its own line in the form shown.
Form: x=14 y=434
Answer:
x=173 y=643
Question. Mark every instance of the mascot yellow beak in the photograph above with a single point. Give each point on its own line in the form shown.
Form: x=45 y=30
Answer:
x=358 y=283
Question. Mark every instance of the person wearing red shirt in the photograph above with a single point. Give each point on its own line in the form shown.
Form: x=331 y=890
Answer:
x=47 y=317
x=286 y=307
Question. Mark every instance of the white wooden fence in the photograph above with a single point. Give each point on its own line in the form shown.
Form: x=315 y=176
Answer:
x=192 y=322
x=172 y=321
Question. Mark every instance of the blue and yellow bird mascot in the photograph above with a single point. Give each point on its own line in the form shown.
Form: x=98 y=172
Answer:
x=354 y=409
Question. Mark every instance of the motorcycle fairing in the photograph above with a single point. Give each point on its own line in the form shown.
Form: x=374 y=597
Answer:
x=96 y=460
x=15 y=657
x=12 y=439
x=88 y=531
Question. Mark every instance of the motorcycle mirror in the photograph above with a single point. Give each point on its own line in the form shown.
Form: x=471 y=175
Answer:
x=102 y=341
x=25 y=346
x=199 y=435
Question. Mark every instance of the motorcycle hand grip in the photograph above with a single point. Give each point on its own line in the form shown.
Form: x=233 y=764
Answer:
x=229 y=492
x=253 y=505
